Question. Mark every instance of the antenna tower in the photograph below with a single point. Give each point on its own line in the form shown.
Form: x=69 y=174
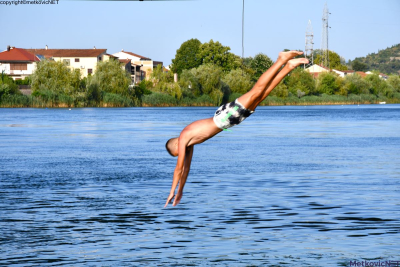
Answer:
x=309 y=51
x=325 y=43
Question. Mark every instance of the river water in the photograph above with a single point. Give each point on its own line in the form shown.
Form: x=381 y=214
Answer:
x=290 y=186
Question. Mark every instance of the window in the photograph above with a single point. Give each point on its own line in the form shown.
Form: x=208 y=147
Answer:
x=89 y=71
x=18 y=66
x=66 y=62
x=99 y=58
x=76 y=59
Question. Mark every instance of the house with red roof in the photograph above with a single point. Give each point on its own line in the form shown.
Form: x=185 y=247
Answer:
x=17 y=63
x=316 y=69
x=381 y=75
x=141 y=66
x=83 y=59
x=343 y=73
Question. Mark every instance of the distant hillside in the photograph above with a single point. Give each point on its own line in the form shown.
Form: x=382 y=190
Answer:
x=386 y=61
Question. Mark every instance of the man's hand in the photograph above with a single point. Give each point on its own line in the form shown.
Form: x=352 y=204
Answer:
x=170 y=197
x=177 y=198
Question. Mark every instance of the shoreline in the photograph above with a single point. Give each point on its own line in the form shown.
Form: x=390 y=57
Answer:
x=108 y=105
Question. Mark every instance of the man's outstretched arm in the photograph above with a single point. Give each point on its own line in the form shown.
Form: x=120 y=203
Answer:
x=178 y=172
x=186 y=169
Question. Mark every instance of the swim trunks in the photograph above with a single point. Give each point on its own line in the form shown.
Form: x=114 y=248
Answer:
x=231 y=114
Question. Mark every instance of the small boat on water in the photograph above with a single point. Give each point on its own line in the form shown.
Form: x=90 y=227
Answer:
x=382 y=103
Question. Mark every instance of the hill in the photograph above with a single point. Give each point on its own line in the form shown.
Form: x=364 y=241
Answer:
x=386 y=61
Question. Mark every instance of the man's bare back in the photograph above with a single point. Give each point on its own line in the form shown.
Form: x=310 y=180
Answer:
x=201 y=130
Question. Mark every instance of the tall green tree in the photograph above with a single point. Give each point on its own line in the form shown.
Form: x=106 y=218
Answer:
x=54 y=76
x=378 y=86
x=259 y=64
x=187 y=56
x=394 y=82
x=238 y=81
x=326 y=83
x=355 y=84
x=359 y=66
x=334 y=61
x=164 y=82
x=111 y=78
x=301 y=80
x=219 y=55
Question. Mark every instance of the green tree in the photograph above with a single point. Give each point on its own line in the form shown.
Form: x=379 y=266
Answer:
x=238 y=81
x=394 y=82
x=209 y=78
x=111 y=78
x=355 y=84
x=219 y=55
x=326 y=83
x=334 y=61
x=259 y=64
x=378 y=86
x=301 y=80
x=187 y=56
x=358 y=66
x=7 y=86
x=54 y=76
x=204 y=80
x=159 y=75
x=164 y=82
x=280 y=90
x=189 y=83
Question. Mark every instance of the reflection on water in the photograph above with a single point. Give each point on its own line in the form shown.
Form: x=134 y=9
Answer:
x=290 y=186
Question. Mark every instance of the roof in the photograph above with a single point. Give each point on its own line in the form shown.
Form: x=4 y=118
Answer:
x=68 y=52
x=110 y=55
x=322 y=66
x=136 y=55
x=315 y=74
x=313 y=66
x=362 y=74
x=17 y=55
x=125 y=61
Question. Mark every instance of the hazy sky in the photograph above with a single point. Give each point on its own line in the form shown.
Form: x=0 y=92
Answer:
x=156 y=29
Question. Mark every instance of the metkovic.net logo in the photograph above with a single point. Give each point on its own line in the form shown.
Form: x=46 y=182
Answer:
x=28 y=2
x=375 y=263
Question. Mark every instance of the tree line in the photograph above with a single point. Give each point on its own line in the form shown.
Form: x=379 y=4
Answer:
x=208 y=75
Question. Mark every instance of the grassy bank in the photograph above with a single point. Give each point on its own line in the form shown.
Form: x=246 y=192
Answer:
x=164 y=100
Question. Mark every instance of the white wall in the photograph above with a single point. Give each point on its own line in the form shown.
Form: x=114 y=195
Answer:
x=17 y=73
x=84 y=63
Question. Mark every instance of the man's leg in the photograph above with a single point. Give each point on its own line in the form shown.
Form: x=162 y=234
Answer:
x=251 y=99
x=291 y=65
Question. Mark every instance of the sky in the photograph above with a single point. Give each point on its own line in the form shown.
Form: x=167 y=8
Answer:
x=156 y=29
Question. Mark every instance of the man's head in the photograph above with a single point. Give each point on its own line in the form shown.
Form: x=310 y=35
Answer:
x=172 y=146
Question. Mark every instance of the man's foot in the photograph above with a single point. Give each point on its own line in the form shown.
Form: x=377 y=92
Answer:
x=293 y=63
x=286 y=56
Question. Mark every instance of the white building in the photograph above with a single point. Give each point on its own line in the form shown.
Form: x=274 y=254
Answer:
x=17 y=63
x=343 y=73
x=141 y=66
x=83 y=59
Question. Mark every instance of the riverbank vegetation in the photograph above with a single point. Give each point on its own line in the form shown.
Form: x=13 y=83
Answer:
x=209 y=75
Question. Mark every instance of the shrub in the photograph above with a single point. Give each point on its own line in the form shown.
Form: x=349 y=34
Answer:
x=238 y=81
x=116 y=100
x=54 y=76
x=159 y=99
x=301 y=80
x=111 y=78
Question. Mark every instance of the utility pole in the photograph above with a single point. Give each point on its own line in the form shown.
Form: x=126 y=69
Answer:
x=309 y=50
x=325 y=42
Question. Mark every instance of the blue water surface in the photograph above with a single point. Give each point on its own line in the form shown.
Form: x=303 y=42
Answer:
x=290 y=186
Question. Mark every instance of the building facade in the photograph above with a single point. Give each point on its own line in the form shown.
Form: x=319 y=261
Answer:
x=141 y=66
x=17 y=63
